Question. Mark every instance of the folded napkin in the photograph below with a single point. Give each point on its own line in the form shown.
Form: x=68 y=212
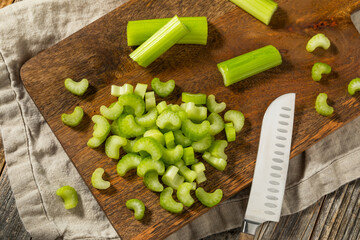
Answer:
x=38 y=166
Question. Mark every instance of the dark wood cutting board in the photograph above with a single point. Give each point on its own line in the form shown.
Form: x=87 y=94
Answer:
x=99 y=53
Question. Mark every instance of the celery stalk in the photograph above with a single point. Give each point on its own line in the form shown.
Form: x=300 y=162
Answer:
x=249 y=64
x=159 y=42
x=263 y=10
x=141 y=30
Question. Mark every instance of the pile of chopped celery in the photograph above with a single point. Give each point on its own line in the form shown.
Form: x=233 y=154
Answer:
x=163 y=142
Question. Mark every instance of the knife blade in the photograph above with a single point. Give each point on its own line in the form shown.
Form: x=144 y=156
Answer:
x=268 y=186
x=355 y=18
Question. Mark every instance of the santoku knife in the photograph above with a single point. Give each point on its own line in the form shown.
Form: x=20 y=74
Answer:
x=268 y=186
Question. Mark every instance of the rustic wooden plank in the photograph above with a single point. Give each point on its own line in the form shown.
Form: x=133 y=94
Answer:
x=352 y=229
x=11 y=226
x=228 y=28
x=4 y=3
x=306 y=232
x=2 y=156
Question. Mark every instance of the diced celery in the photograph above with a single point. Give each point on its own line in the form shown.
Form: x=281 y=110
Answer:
x=112 y=146
x=318 y=69
x=149 y=145
x=112 y=112
x=197 y=98
x=168 y=120
x=163 y=89
x=199 y=168
x=189 y=156
x=151 y=181
x=133 y=101
x=129 y=128
x=73 y=119
x=195 y=113
x=148 y=119
x=127 y=162
x=195 y=131
x=218 y=163
x=150 y=101
x=230 y=132
x=183 y=194
x=171 y=177
x=97 y=181
x=159 y=42
x=168 y=203
x=140 y=89
x=181 y=139
x=161 y=106
x=76 y=88
x=138 y=207
x=209 y=199
x=217 y=149
x=321 y=105
x=213 y=106
x=170 y=156
x=149 y=164
x=169 y=139
x=69 y=196
x=249 y=64
x=203 y=144
x=354 y=86
x=126 y=89
x=236 y=117
x=319 y=40
x=115 y=90
x=188 y=174
x=155 y=134
x=216 y=124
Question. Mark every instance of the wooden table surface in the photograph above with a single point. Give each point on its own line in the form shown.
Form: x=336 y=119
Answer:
x=334 y=216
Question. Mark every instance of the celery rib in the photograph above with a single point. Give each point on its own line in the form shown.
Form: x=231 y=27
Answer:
x=160 y=42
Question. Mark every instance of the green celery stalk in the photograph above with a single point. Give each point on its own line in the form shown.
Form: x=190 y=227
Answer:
x=159 y=42
x=141 y=30
x=263 y=10
x=249 y=64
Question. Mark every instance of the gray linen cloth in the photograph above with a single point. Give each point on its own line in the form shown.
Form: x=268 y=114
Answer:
x=37 y=164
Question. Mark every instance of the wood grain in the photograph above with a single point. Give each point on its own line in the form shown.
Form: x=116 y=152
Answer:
x=99 y=53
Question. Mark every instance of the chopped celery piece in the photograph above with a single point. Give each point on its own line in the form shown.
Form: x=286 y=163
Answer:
x=97 y=181
x=101 y=127
x=195 y=113
x=159 y=42
x=354 y=86
x=129 y=128
x=168 y=203
x=321 y=105
x=69 y=196
x=112 y=112
x=150 y=101
x=73 y=119
x=163 y=89
x=319 y=40
x=195 y=131
x=203 y=144
x=170 y=156
x=128 y=110
x=76 y=88
x=183 y=194
x=197 y=98
x=126 y=89
x=112 y=146
x=213 y=106
x=171 y=177
x=115 y=90
x=139 y=31
x=127 y=162
x=149 y=145
x=169 y=139
x=318 y=69
x=129 y=145
x=209 y=199
x=188 y=174
x=133 y=101
x=151 y=181
x=148 y=119
x=168 y=120
x=199 y=168
x=115 y=129
x=230 y=132
x=249 y=64
x=149 y=164
x=181 y=139
x=137 y=206
x=101 y=131
x=216 y=162
x=217 y=149
x=140 y=89
x=216 y=124
x=189 y=156
x=263 y=10
x=155 y=134
x=236 y=117
x=161 y=106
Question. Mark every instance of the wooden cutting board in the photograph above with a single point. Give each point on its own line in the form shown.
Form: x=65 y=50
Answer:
x=99 y=53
